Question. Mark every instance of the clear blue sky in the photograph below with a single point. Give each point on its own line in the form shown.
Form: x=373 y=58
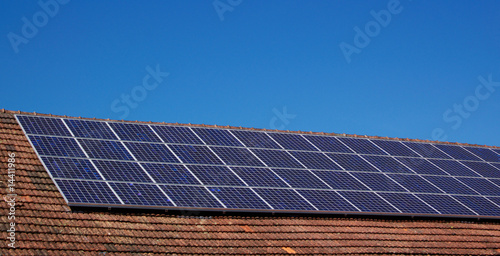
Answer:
x=241 y=63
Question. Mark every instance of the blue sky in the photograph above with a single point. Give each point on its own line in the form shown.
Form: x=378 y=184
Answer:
x=409 y=69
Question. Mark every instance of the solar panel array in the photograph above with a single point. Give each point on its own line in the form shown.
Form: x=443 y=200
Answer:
x=117 y=164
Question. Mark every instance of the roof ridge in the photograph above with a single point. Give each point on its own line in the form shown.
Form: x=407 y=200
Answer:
x=251 y=129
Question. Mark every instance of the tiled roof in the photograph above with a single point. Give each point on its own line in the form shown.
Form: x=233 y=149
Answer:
x=45 y=225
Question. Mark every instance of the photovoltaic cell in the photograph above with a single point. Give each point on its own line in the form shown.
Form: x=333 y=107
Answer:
x=395 y=148
x=122 y=171
x=426 y=150
x=237 y=156
x=407 y=203
x=191 y=196
x=276 y=158
x=450 y=185
x=483 y=169
x=217 y=137
x=80 y=191
x=195 y=154
x=368 y=202
x=483 y=186
x=414 y=183
x=141 y=194
x=55 y=146
x=292 y=141
x=378 y=181
x=284 y=199
x=352 y=162
x=454 y=168
x=387 y=164
x=104 y=149
x=315 y=160
x=176 y=134
x=215 y=175
x=326 y=200
x=421 y=166
x=134 y=132
x=340 y=180
x=300 y=178
x=71 y=168
x=362 y=146
x=43 y=125
x=328 y=144
x=457 y=152
x=151 y=152
x=259 y=177
x=480 y=204
x=238 y=198
x=90 y=129
x=445 y=204
x=255 y=139
x=485 y=153
x=170 y=173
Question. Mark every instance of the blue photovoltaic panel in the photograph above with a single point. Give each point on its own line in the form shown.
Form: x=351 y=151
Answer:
x=340 y=180
x=457 y=152
x=141 y=194
x=237 y=156
x=485 y=153
x=151 y=152
x=81 y=191
x=134 y=132
x=276 y=158
x=104 y=149
x=395 y=148
x=217 y=137
x=125 y=164
x=191 y=196
x=426 y=150
x=90 y=129
x=170 y=173
x=238 y=198
x=300 y=178
x=328 y=144
x=362 y=146
x=326 y=200
x=177 y=134
x=259 y=177
x=352 y=162
x=56 y=146
x=292 y=141
x=313 y=160
x=43 y=126
x=255 y=139
x=71 y=168
x=122 y=171
x=284 y=199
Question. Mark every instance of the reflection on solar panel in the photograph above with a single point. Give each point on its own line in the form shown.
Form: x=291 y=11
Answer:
x=116 y=164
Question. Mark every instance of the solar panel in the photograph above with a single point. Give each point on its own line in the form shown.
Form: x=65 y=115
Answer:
x=117 y=164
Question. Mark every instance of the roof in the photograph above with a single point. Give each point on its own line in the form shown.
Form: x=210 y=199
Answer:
x=45 y=225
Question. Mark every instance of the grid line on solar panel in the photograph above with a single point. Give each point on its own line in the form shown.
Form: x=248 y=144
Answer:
x=341 y=180
x=237 y=156
x=314 y=160
x=408 y=203
x=259 y=177
x=105 y=149
x=56 y=146
x=284 y=199
x=255 y=139
x=76 y=191
x=276 y=158
x=134 y=132
x=90 y=129
x=301 y=178
x=352 y=162
x=480 y=204
x=215 y=175
x=362 y=146
x=421 y=166
x=450 y=185
x=483 y=169
x=191 y=196
x=195 y=154
x=454 y=168
x=368 y=202
x=216 y=137
x=325 y=200
x=122 y=171
x=445 y=204
x=387 y=164
x=327 y=143
x=43 y=125
x=414 y=183
x=483 y=186
x=395 y=148
x=239 y=198
x=292 y=141
x=486 y=154
x=426 y=150
x=170 y=173
x=457 y=152
x=151 y=152
x=141 y=194
x=73 y=168
x=378 y=181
